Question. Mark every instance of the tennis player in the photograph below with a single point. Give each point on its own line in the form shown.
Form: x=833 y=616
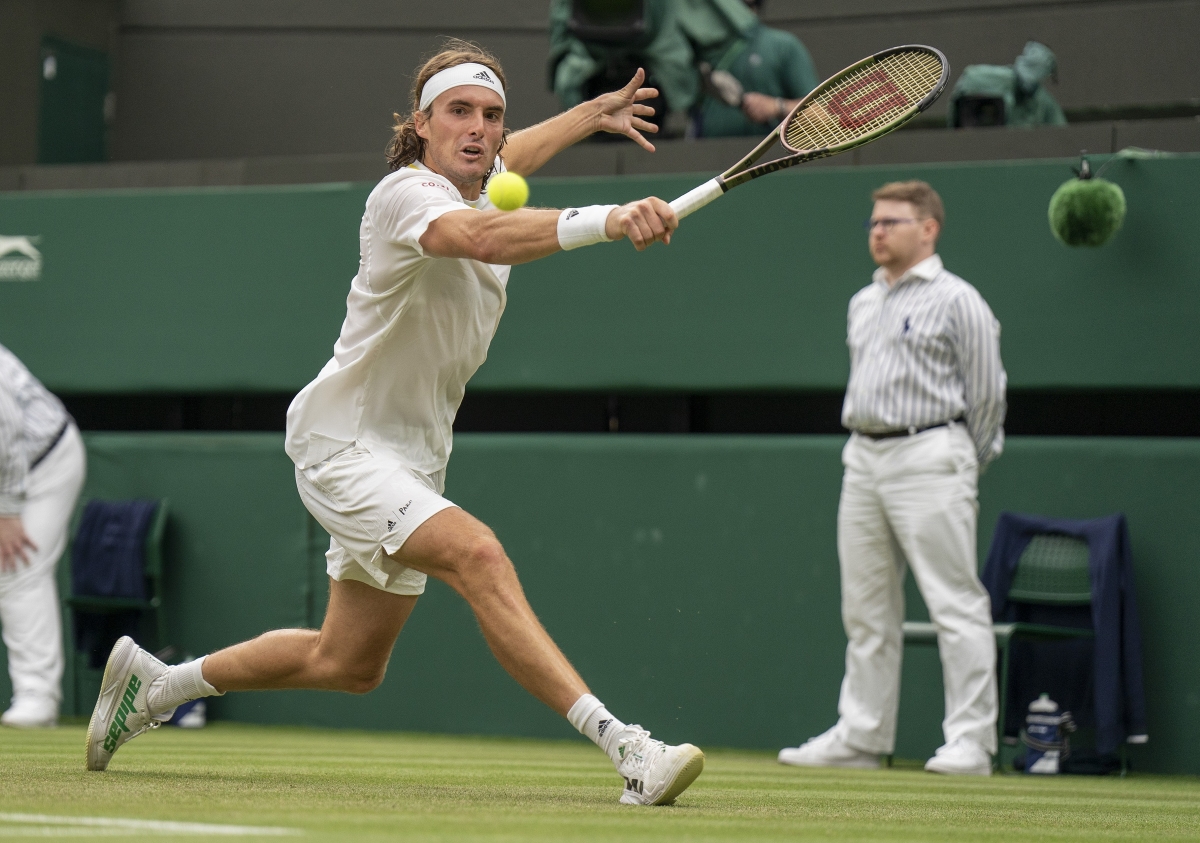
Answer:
x=371 y=436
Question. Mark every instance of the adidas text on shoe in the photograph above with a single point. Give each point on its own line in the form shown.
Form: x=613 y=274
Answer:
x=121 y=712
x=655 y=773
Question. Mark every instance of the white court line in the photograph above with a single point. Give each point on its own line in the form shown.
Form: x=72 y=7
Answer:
x=52 y=826
x=60 y=831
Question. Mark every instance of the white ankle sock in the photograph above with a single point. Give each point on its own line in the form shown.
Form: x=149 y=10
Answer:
x=594 y=722
x=180 y=683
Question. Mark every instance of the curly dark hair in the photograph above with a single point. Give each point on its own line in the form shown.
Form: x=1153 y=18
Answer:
x=406 y=146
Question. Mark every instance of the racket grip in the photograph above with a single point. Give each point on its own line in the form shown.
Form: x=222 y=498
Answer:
x=697 y=198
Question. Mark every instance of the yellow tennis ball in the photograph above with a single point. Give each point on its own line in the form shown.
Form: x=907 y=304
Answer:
x=507 y=191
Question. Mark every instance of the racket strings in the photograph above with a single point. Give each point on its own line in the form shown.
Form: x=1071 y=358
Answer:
x=866 y=100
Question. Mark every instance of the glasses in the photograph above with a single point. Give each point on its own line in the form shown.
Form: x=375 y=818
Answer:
x=886 y=223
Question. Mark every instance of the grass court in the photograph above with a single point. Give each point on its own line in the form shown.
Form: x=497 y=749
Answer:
x=243 y=782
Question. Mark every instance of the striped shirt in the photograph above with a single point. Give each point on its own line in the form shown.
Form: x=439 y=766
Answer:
x=30 y=420
x=924 y=351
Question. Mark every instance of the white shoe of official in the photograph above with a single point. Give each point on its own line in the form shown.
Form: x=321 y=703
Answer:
x=654 y=772
x=961 y=757
x=828 y=750
x=31 y=713
x=121 y=713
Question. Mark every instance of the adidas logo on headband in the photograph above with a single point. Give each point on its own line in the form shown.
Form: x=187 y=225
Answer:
x=467 y=73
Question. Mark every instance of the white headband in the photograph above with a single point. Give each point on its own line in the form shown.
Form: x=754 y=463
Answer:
x=461 y=74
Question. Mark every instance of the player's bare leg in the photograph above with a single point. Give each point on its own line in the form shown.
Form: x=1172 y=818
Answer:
x=349 y=653
x=462 y=552
x=351 y=650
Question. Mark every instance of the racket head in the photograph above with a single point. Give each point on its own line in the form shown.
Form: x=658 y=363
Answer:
x=868 y=99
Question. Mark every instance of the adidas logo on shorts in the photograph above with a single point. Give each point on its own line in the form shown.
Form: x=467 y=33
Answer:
x=483 y=74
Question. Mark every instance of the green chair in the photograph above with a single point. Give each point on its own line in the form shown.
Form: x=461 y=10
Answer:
x=1052 y=570
x=150 y=606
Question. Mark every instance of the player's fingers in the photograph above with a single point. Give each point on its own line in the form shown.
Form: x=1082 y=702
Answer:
x=645 y=235
x=639 y=231
x=630 y=91
x=645 y=94
x=28 y=542
x=641 y=141
x=655 y=223
x=643 y=125
x=665 y=213
x=643 y=110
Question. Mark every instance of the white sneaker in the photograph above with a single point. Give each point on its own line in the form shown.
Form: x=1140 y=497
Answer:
x=31 y=713
x=121 y=713
x=828 y=750
x=654 y=772
x=192 y=717
x=961 y=757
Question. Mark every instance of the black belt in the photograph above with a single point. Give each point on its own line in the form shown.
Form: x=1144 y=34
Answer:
x=62 y=431
x=908 y=431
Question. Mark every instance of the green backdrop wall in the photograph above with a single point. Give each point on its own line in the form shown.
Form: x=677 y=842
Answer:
x=692 y=579
x=193 y=290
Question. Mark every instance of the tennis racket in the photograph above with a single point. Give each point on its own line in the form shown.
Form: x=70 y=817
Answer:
x=861 y=104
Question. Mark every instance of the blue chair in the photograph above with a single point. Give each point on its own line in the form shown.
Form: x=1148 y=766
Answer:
x=116 y=553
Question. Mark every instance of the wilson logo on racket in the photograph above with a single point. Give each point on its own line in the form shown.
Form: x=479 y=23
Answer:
x=859 y=103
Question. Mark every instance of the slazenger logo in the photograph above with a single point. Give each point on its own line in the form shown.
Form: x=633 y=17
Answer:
x=19 y=260
x=124 y=710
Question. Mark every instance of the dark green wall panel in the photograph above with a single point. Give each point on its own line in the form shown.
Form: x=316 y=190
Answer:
x=181 y=290
x=692 y=579
x=245 y=289
x=71 y=120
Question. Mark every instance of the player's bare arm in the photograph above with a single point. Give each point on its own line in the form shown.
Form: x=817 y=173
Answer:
x=515 y=237
x=620 y=112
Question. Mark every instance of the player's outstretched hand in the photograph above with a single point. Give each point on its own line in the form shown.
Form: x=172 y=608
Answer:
x=644 y=222
x=621 y=112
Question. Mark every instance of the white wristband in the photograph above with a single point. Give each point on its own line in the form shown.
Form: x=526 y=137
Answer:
x=583 y=226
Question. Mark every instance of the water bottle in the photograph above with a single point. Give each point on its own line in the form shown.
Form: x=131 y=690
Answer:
x=1045 y=735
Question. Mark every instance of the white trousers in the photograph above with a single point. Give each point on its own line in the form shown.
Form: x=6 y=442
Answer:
x=912 y=502
x=30 y=616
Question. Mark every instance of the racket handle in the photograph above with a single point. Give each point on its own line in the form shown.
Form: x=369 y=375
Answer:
x=698 y=197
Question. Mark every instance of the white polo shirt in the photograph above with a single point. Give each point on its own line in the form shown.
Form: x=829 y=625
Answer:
x=417 y=327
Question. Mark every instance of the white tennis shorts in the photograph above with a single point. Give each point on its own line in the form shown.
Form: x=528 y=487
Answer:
x=370 y=503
